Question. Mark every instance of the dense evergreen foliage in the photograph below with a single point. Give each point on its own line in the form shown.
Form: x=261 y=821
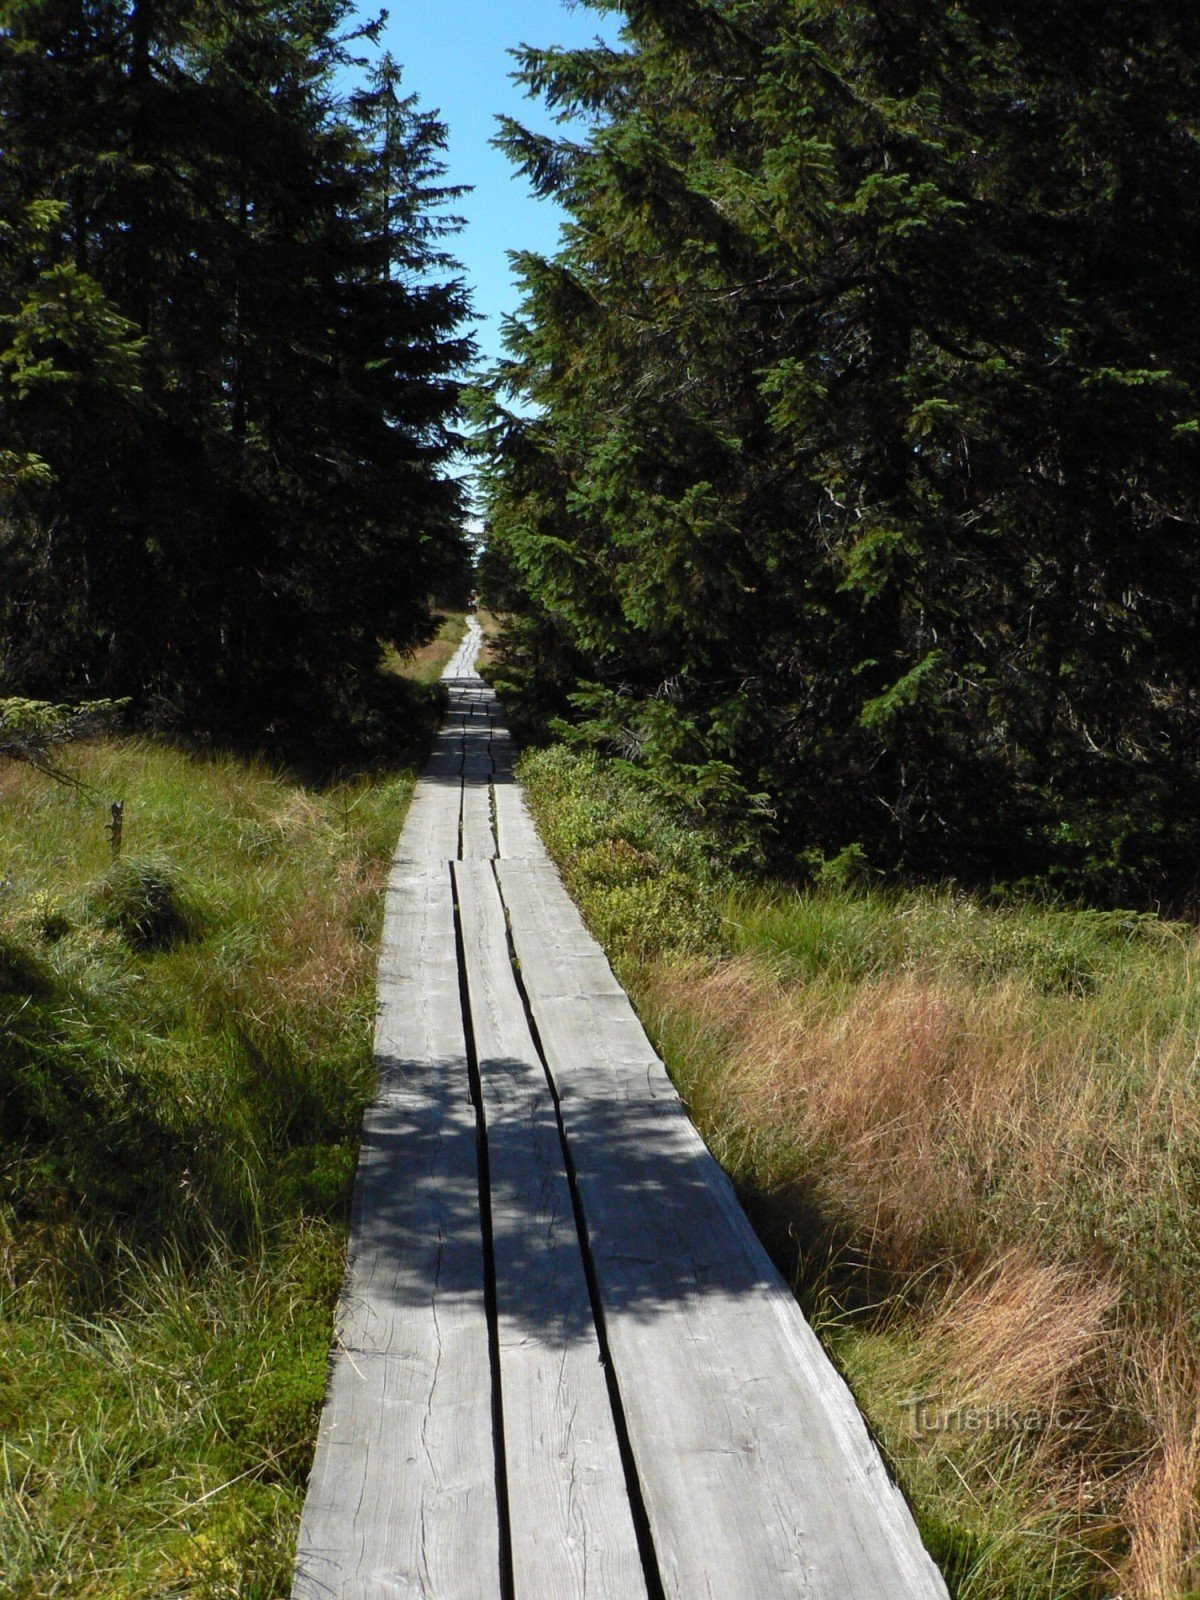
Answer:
x=229 y=339
x=862 y=465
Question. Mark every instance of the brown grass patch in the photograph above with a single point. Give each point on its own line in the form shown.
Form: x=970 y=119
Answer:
x=900 y=1102
x=1024 y=1333
x=426 y=663
x=1013 y=1171
x=14 y=781
x=1161 y=1510
x=491 y=625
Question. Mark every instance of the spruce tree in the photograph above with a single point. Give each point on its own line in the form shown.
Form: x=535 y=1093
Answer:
x=862 y=474
x=229 y=346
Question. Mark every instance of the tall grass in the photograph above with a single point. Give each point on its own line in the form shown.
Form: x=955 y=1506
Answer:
x=971 y=1134
x=427 y=662
x=185 y=1048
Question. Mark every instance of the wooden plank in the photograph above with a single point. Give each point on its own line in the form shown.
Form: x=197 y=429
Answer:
x=419 y=1005
x=571 y=1528
x=478 y=839
x=516 y=835
x=431 y=827
x=757 y=1472
x=478 y=704
x=567 y=959
x=402 y=1497
x=462 y=662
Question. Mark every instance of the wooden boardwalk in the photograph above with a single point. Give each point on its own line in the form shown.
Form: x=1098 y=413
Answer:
x=564 y=1365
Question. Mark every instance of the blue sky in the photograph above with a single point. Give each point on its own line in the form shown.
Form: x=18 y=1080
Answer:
x=453 y=55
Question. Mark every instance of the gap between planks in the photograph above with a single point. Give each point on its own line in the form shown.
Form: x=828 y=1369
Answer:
x=565 y=1365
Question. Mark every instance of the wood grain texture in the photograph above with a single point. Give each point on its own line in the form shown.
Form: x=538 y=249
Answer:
x=753 y=1465
x=402 y=1498
x=759 y=1477
x=431 y=828
x=571 y=1529
x=478 y=839
x=516 y=836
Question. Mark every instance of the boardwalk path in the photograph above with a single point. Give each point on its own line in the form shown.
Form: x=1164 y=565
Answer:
x=565 y=1367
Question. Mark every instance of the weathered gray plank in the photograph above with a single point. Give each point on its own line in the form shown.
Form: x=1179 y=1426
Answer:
x=478 y=839
x=572 y=1531
x=431 y=827
x=402 y=1497
x=568 y=961
x=418 y=1008
x=462 y=662
x=758 y=1475
x=477 y=705
x=516 y=835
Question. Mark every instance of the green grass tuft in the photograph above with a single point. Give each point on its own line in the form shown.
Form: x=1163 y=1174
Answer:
x=143 y=902
x=186 y=1047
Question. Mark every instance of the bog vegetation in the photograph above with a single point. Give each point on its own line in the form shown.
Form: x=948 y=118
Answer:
x=186 y=1051
x=185 y=1040
x=969 y=1131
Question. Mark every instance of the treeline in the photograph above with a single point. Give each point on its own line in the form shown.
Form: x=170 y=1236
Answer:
x=858 y=498
x=229 y=345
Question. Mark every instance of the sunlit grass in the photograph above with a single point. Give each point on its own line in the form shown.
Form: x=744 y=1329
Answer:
x=971 y=1133
x=428 y=661
x=179 y=1120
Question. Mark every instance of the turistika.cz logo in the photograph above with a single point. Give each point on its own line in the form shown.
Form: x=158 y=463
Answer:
x=930 y=1415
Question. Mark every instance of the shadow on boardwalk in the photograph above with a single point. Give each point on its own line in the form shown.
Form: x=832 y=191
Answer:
x=667 y=1258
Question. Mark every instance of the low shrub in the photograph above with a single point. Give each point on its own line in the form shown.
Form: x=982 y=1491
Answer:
x=646 y=880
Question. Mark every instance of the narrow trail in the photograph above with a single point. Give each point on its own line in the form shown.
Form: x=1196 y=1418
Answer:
x=564 y=1367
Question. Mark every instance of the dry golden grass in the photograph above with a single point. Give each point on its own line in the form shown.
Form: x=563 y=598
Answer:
x=914 y=1098
x=425 y=664
x=328 y=962
x=13 y=780
x=1023 y=1333
x=980 y=1146
x=1160 y=1511
x=971 y=1130
x=992 y=1393
x=887 y=1094
x=491 y=625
